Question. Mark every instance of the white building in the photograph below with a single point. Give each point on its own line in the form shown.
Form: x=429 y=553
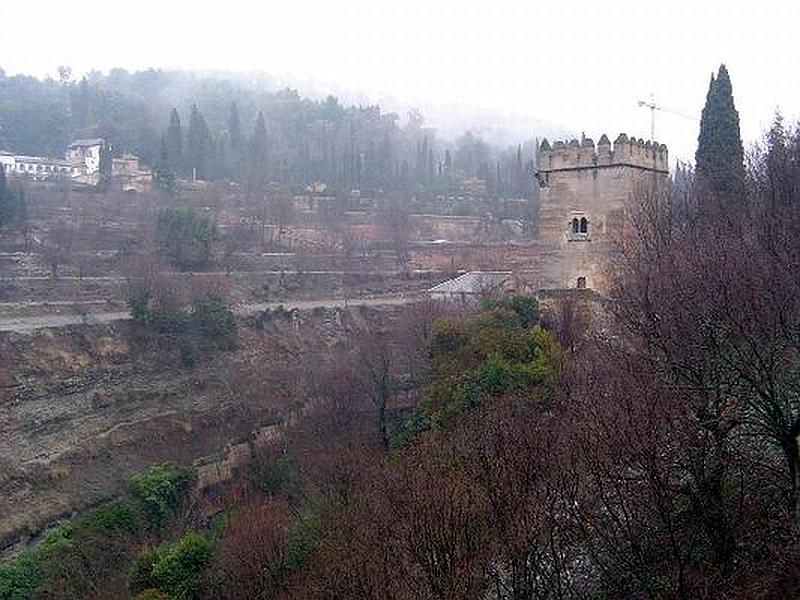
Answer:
x=7 y=162
x=87 y=152
x=37 y=167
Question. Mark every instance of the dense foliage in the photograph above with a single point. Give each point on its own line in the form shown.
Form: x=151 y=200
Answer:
x=160 y=491
x=79 y=557
x=500 y=350
x=175 y=569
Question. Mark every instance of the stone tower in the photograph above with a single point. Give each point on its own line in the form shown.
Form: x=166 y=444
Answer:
x=583 y=193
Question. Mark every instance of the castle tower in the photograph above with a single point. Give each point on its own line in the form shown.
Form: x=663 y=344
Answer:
x=584 y=190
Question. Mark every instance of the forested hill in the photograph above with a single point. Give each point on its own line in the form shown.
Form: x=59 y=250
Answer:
x=228 y=126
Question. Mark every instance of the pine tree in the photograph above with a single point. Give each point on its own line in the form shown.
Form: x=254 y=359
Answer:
x=720 y=156
x=174 y=143
x=199 y=146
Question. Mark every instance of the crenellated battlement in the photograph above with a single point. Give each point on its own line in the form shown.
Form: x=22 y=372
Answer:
x=584 y=154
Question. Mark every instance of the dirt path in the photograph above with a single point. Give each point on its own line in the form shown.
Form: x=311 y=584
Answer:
x=235 y=272
x=28 y=324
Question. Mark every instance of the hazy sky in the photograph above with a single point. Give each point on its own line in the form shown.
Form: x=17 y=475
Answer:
x=582 y=64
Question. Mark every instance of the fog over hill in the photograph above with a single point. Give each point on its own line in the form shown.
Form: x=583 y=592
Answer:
x=217 y=125
x=498 y=127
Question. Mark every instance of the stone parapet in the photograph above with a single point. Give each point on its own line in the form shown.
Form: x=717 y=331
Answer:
x=584 y=154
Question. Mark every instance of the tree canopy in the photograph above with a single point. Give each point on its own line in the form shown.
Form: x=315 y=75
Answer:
x=720 y=157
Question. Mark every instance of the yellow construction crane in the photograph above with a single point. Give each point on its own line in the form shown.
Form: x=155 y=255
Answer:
x=653 y=108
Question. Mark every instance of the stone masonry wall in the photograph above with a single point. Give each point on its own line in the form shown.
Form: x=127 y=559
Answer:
x=584 y=193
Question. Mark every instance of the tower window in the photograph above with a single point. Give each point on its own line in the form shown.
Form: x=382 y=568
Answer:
x=578 y=229
x=581 y=283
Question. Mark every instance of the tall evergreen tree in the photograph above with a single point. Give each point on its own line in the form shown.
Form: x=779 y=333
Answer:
x=236 y=150
x=781 y=181
x=5 y=199
x=234 y=127
x=720 y=156
x=106 y=166
x=258 y=160
x=199 y=146
x=174 y=143
x=162 y=172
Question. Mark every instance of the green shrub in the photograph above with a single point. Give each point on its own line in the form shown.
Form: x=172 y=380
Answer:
x=208 y=322
x=525 y=307
x=495 y=376
x=171 y=320
x=20 y=578
x=72 y=557
x=140 y=577
x=180 y=566
x=139 y=306
x=303 y=539
x=185 y=237
x=499 y=350
x=214 y=321
x=116 y=517
x=162 y=491
x=411 y=428
x=73 y=554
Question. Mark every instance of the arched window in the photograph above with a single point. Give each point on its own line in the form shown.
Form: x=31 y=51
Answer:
x=581 y=283
x=584 y=225
x=575 y=225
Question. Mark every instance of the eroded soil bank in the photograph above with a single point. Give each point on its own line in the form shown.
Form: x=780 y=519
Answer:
x=83 y=408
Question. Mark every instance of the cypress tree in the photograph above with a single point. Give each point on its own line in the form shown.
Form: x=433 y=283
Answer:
x=720 y=156
x=199 y=147
x=164 y=175
x=257 y=175
x=234 y=127
x=174 y=143
x=106 y=167
x=236 y=150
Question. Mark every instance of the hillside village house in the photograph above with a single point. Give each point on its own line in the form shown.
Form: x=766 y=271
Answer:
x=86 y=151
x=37 y=167
x=130 y=175
x=82 y=159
